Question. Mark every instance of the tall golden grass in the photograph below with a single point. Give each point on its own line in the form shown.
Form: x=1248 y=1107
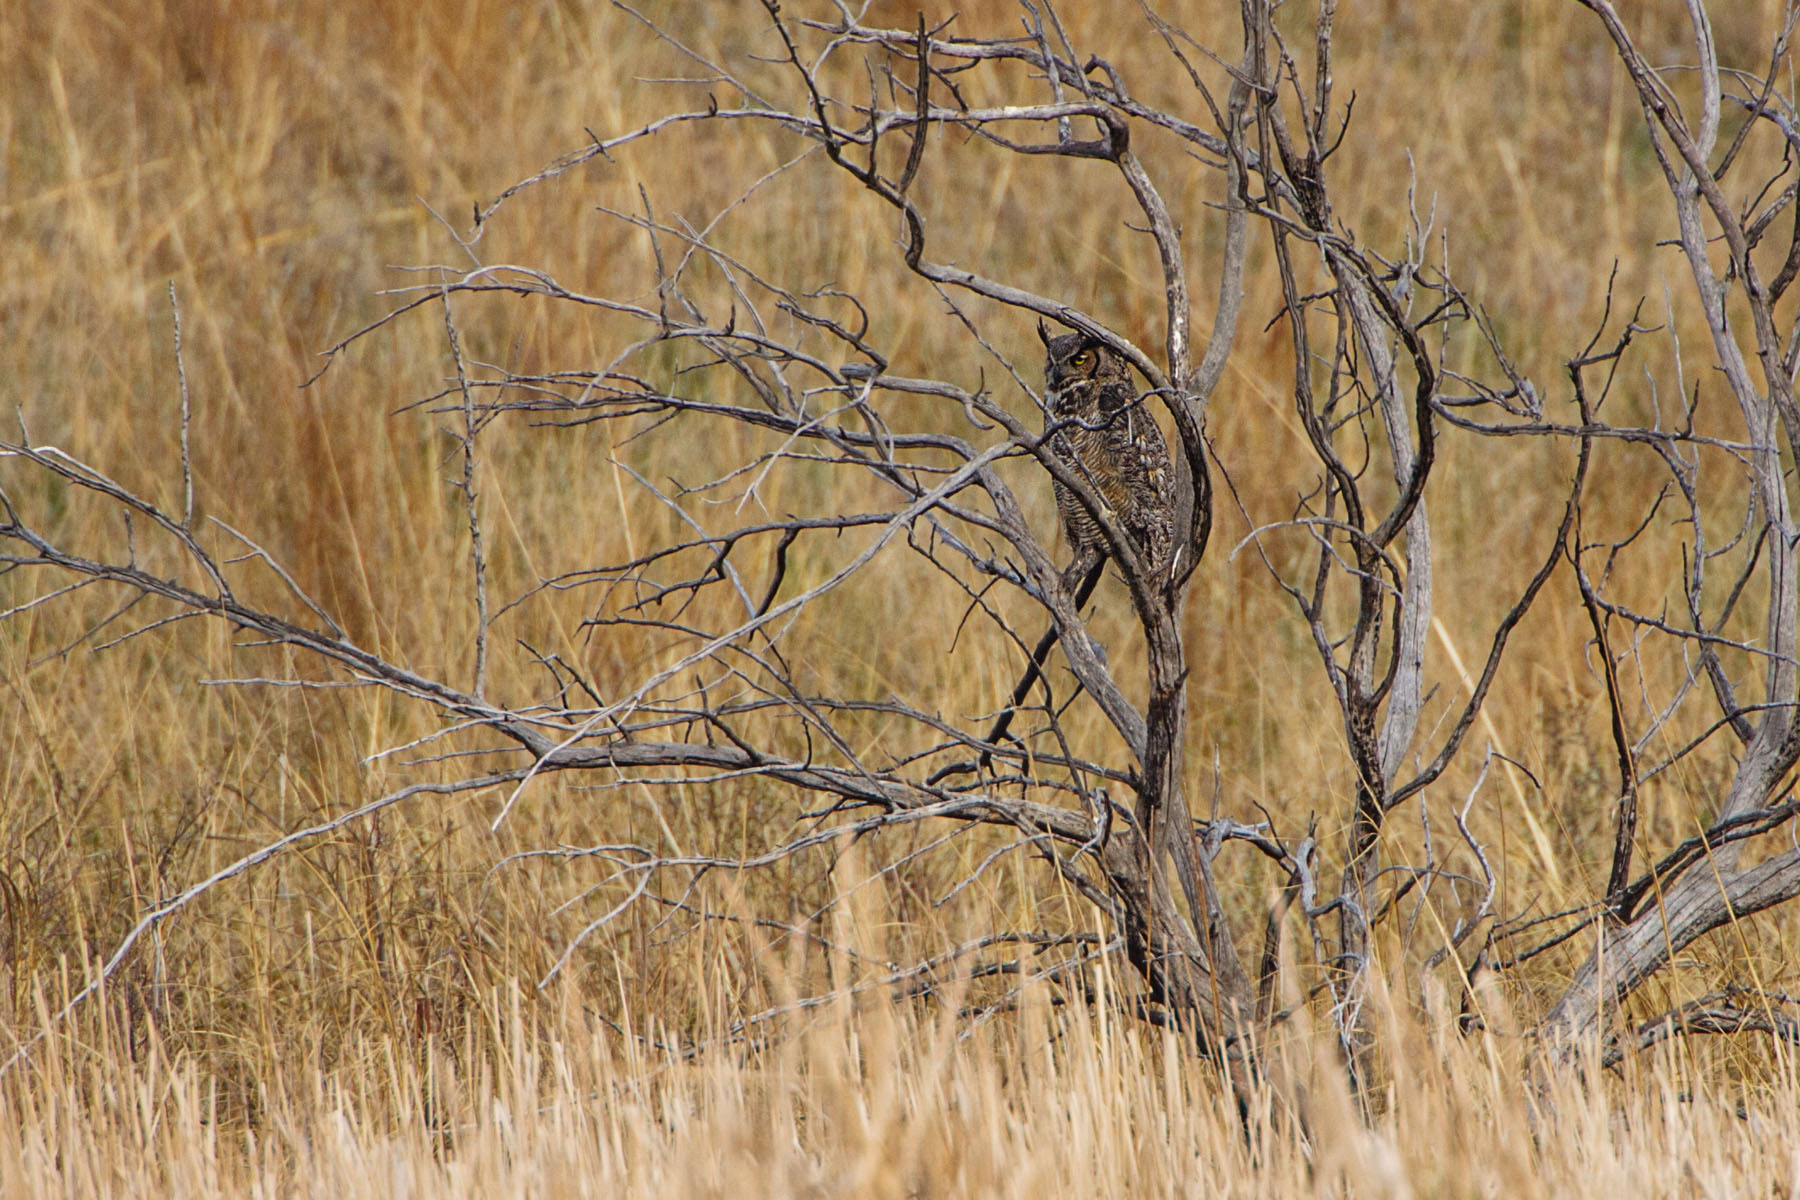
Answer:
x=359 y=1019
x=884 y=1103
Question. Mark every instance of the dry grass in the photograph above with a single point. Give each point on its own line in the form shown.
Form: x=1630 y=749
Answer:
x=348 y=1021
x=887 y=1103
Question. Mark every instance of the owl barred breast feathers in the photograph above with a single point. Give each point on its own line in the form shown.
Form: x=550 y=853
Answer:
x=1111 y=440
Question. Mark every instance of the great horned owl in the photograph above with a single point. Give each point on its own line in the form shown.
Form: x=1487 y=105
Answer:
x=1109 y=438
x=1106 y=436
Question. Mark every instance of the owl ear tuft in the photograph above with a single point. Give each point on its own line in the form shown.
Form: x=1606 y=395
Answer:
x=1043 y=332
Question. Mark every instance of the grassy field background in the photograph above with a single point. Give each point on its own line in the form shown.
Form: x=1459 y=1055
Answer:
x=359 y=1018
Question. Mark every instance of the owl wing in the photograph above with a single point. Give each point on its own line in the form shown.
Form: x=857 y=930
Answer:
x=1152 y=481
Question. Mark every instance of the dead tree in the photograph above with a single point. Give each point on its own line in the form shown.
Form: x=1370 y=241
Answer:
x=1649 y=917
x=795 y=371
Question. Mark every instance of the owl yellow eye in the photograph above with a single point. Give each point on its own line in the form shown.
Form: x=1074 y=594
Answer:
x=1082 y=361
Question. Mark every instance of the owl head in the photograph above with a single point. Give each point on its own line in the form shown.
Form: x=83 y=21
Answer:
x=1084 y=376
